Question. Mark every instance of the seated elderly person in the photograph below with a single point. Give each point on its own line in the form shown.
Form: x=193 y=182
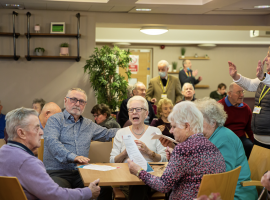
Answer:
x=228 y=143
x=191 y=158
x=188 y=92
x=38 y=104
x=102 y=115
x=164 y=108
x=152 y=150
x=24 y=138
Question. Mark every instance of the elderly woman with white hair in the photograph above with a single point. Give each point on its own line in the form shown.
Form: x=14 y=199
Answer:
x=228 y=143
x=192 y=157
x=152 y=150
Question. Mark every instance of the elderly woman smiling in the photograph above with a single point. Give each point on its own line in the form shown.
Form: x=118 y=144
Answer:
x=152 y=150
x=228 y=143
x=193 y=157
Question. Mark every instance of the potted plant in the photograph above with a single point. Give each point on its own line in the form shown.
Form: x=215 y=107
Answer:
x=39 y=51
x=109 y=86
x=174 y=65
x=64 y=49
x=37 y=28
x=183 y=51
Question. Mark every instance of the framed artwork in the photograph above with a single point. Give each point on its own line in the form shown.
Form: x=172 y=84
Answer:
x=58 y=27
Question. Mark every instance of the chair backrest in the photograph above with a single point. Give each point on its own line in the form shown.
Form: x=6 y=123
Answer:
x=99 y=152
x=223 y=183
x=259 y=162
x=41 y=150
x=11 y=189
x=2 y=142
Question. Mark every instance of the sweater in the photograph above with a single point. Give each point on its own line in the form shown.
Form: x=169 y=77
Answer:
x=217 y=96
x=239 y=119
x=110 y=123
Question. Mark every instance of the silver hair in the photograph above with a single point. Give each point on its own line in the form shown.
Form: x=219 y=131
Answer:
x=138 y=98
x=16 y=119
x=231 y=86
x=186 y=84
x=164 y=62
x=130 y=89
x=186 y=112
x=76 y=89
x=136 y=85
x=213 y=112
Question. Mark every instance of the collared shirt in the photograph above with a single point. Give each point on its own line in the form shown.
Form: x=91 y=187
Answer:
x=65 y=139
x=228 y=103
x=41 y=125
x=21 y=146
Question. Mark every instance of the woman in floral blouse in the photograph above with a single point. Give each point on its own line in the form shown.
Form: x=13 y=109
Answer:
x=191 y=158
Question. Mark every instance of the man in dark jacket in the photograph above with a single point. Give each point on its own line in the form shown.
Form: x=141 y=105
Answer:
x=186 y=75
x=139 y=90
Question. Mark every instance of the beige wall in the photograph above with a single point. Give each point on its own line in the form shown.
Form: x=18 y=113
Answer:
x=21 y=81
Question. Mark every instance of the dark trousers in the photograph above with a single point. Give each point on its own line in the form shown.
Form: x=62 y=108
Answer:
x=256 y=142
x=248 y=145
x=72 y=179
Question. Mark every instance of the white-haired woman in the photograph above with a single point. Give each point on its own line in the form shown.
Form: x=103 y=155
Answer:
x=152 y=150
x=227 y=142
x=193 y=157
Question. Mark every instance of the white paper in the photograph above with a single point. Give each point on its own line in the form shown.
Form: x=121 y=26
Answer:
x=99 y=167
x=133 y=152
x=157 y=136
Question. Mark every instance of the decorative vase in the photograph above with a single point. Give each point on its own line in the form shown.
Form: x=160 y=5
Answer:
x=174 y=70
x=64 y=51
x=37 y=28
x=39 y=53
x=182 y=56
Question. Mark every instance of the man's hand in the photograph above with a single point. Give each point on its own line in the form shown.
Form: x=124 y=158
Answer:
x=233 y=71
x=200 y=78
x=195 y=73
x=166 y=143
x=265 y=180
x=168 y=152
x=94 y=188
x=153 y=100
x=259 y=70
x=133 y=167
x=81 y=160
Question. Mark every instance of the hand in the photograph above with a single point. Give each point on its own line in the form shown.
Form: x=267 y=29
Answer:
x=142 y=147
x=161 y=127
x=153 y=100
x=133 y=167
x=95 y=189
x=200 y=78
x=212 y=196
x=259 y=70
x=81 y=160
x=168 y=152
x=233 y=71
x=166 y=143
x=195 y=73
x=265 y=180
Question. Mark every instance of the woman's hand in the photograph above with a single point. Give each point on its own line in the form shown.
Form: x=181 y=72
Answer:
x=265 y=180
x=133 y=167
x=168 y=152
x=142 y=147
x=166 y=143
x=161 y=128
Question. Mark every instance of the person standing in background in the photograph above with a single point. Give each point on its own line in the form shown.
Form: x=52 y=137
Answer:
x=186 y=75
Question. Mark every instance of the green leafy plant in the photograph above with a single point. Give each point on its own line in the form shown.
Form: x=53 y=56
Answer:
x=183 y=51
x=39 y=49
x=109 y=86
x=174 y=65
x=64 y=45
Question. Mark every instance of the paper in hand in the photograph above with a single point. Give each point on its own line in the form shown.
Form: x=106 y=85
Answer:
x=157 y=136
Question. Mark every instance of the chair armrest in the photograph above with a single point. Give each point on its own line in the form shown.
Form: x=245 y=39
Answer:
x=251 y=183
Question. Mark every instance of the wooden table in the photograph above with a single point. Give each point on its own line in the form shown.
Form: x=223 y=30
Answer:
x=119 y=176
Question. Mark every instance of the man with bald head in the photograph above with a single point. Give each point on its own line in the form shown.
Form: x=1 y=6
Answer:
x=48 y=110
x=164 y=86
x=239 y=116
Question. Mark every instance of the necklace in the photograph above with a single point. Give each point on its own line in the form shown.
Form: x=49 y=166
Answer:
x=138 y=133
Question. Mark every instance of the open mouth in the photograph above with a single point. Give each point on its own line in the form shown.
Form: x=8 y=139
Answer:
x=135 y=118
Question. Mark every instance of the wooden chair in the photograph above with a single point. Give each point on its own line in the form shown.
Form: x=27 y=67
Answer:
x=41 y=150
x=259 y=163
x=10 y=189
x=223 y=183
x=99 y=152
x=2 y=142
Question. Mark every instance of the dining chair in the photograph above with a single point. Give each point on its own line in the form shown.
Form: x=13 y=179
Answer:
x=2 y=142
x=41 y=150
x=10 y=189
x=99 y=152
x=222 y=183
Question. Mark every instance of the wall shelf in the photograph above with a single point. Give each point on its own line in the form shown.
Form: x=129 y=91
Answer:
x=201 y=86
x=29 y=35
x=193 y=58
x=9 y=34
x=9 y=57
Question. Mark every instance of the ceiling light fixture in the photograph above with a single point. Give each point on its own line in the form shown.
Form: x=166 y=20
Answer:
x=143 y=9
x=12 y=5
x=154 y=30
x=262 y=6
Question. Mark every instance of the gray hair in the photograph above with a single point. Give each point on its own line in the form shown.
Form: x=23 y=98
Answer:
x=130 y=91
x=78 y=90
x=16 y=119
x=186 y=112
x=164 y=62
x=213 y=112
x=186 y=84
x=136 y=85
x=138 y=98
x=231 y=86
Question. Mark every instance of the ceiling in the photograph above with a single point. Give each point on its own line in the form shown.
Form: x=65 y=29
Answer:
x=194 y=7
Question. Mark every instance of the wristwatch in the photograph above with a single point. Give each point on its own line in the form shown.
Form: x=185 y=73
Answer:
x=138 y=173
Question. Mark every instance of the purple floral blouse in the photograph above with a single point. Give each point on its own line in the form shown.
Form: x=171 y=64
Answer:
x=189 y=161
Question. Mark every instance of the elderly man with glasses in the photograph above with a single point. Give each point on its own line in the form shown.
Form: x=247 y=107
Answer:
x=67 y=139
x=239 y=116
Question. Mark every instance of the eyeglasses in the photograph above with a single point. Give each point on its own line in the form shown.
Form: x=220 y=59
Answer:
x=75 y=100
x=131 y=110
x=240 y=92
x=96 y=115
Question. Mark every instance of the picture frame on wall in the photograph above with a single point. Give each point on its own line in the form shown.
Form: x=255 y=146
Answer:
x=58 y=27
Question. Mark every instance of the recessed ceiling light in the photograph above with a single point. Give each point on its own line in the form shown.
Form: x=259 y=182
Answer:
x=262 y=6
x=122 y=44
x=207 y=45
x=153 y=30
x=143 y=9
